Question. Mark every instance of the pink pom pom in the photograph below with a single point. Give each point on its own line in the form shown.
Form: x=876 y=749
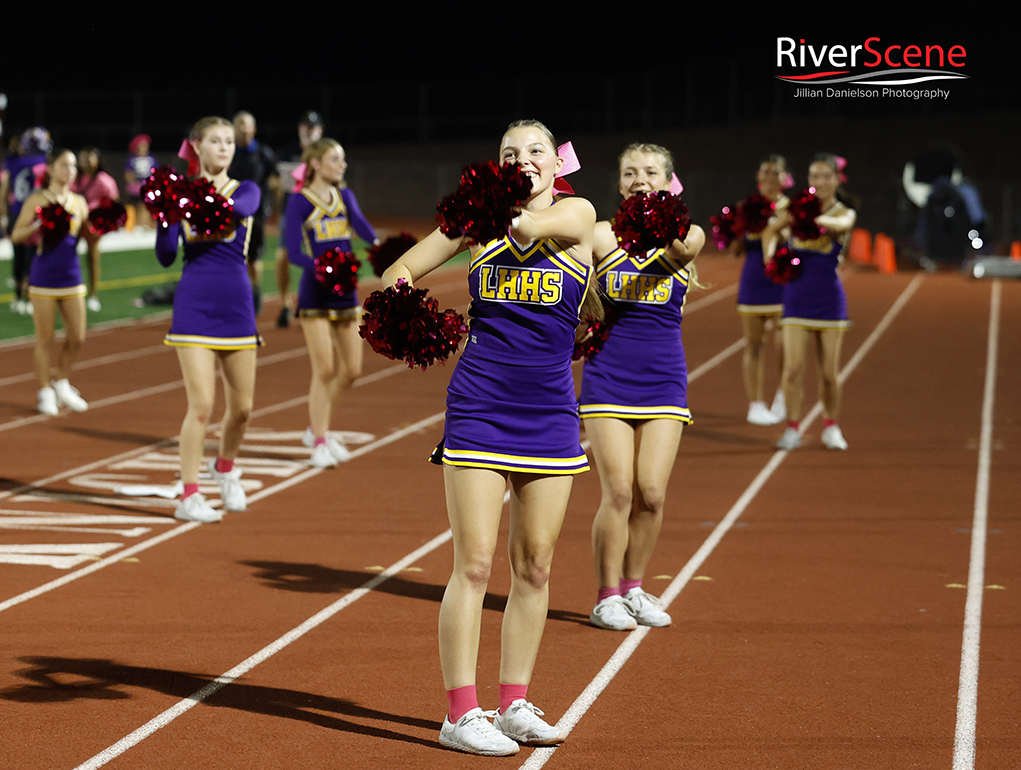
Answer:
x=54 y=223
x=486 y=200
x=108 y=216
x=723 y=230
x=784 y=267
x=651 y=221
x=338 y=270
x=753 y=214
x=596 y=334
x=804 y=208
x=403 y=323
x=389 y=251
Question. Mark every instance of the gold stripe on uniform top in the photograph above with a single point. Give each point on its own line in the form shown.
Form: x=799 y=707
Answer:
x=332 y=208
x=229 y=187
x=484 y=255
x=608 y=264
x=571 y=270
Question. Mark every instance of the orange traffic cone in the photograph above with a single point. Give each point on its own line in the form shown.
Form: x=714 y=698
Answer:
x=860 y=250
x=1015 y=251
x=885 y=254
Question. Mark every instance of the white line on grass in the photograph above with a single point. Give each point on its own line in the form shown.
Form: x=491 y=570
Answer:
x=577 y=710
x=967 y=693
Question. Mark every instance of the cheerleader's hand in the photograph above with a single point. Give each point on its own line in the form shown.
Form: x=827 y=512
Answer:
x=523 y=228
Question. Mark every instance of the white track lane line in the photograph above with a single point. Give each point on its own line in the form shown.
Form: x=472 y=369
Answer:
x=967 y=693
x=584 y=702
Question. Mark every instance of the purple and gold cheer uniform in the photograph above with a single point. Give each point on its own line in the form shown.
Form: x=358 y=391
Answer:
x=213 y=306
x=640 y=373
x=313 y=227
x=816 y=299
x=757 y=294
x=56 y=271
x=511 y=403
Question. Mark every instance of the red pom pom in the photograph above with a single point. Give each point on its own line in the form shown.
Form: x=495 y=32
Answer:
x=784 y=267
x=596 y=334
x=54 y=223
x=753 y=214
x=804 y=208
x=338 y=270
x=651 y=221
x=108 y=216
x=403 y=323
x=209 y=214
x=165 y=194
x=389 y=251
x=723 y=230
x=485 y=202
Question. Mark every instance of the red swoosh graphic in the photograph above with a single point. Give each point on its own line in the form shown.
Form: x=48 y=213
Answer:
x=813 y=76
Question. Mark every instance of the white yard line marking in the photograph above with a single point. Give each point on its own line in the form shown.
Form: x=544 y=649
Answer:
x=967 y=693
x=613 y=666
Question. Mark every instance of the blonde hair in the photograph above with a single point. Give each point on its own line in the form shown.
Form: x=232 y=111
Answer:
x=656 y=149
x=531 y=123
x=199 y=129
x=317 y=150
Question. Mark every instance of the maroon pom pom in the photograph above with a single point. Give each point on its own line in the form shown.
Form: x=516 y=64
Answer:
x=597 y=334
x=784 y=267
x=723 y=228
x=209 y=214
x=651 y=221
x=485 y=202
x=804 y=208
x=389 y=251
x=403 y=323
x=753 y=214
x=338 y=270
x=108 y=216
x=54 y=223
x=165 y=194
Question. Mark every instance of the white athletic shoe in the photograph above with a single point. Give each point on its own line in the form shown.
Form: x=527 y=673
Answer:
x=195 y=508
x=309 y=439
x=759 y=414
x=231 y=491
x=779 y=407
x=322 y=457
x=69 y=396
x=473 y=733
x=789 y=440
x=646 y=609
x=833 y=438
x=46 y=401
x=521 y=721
x=93 y=304
x=341 y=452
x=613 y=614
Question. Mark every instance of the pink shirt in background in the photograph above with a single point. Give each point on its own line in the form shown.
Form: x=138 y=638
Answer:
x=95 y=190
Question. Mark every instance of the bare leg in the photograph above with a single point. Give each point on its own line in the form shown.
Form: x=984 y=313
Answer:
x=239 y=391
x=44 y=317
x=795 y=344
x=198 y=367
x=322 y=357
x=474 y=507
x=831 y=391
x=753 y=360
x=613 y=447
x=72 y=310
x=538 y=505
x=657 y=448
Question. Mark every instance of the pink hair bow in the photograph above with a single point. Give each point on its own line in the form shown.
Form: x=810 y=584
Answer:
x=787 y=181
x=676 y=188
x=841 y=165
x=298 y=175
x=571 y=164
x=187 y=152
x=39 y=170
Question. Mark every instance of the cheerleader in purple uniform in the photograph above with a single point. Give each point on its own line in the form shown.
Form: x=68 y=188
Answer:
x=55 y=282
x=814 y=304
x=634 y=399
x=214 y=321
x=760 y=303
x=319 y=218
x=511 y=416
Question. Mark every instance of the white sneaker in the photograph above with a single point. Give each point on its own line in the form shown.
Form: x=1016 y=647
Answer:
x=833 y=438
x=309 y=439
x=789 y=440
x=646 y=609
x=341 y=452
x=231 y=491
x=46 y=401
x=473 y=733
x=613 y=614
x=69 y=396
x=195 y=508
x=779 y=407
x=322 y=457
x=93 y=304
x=759 y=414
x=521 y=721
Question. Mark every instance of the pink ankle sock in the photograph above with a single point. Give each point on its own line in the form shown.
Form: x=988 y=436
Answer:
x=793 y=424
x=320 y=440
x=626 y=585
x=189 y=490
x=460 y=701
x=606 y=593
x=828 y=423
x=510 y=693
x=224 y=466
